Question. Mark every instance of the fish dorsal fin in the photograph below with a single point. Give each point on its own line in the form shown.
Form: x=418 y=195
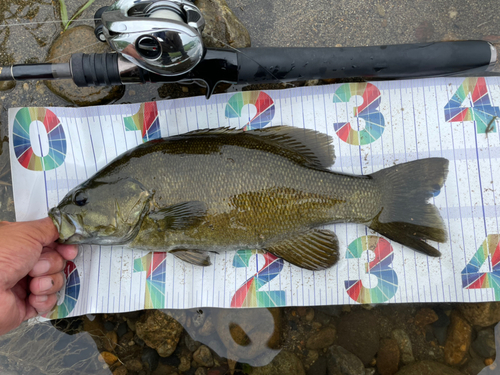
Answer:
x=313 y=148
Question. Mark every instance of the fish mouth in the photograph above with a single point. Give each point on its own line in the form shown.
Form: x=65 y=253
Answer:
x=70 y=228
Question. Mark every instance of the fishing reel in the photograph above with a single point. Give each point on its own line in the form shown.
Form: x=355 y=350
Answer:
x=161 y=36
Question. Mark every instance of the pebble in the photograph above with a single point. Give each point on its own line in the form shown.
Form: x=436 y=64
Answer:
x=109 y=326
x=404 y=343
x=203 y=356
x=321 y=339
x=131 y=324
x=185 y=364
x=7 y=85
x=122 y=370
x=121 y=329
x=428 y=368
x=388 y=357
x=150 y=357
x=458 y=340
x=440 y=326
x=108 y=358
x=318 y=367
x=359 y=334
x=159 y=331
x=110 y=340
x=370 y=371
x=200 y=371
x=483 y=314
x=310 y=315
x=190 y=343
x=284 y=363
x=133 y=365
x=425 y=317
x=173 y=361
x=341 y=361
x=484 y=344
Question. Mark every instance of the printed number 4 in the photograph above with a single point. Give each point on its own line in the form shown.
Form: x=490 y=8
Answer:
x=482 y=112
x=489 y=252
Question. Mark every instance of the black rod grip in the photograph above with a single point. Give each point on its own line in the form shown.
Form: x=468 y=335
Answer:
x=28 y=72
x=261 y=65
x=95 y=69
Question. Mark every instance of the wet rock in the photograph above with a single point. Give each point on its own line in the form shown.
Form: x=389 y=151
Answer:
x=203 y=356
x=7 y=85
x=358 y=334
x=185 y=364
x=474 y=365
x=190 y=343
x=222 y=27
x=284 y=363
x=121 y=329
x=318 y=367
x=458 y=340
x=482 y=314
x=343 y=362
x=108 y=358
x=131 y=324
x=66 y=89
x=122 y=370
x=150 y=358
x=425 y=317
x=440 y=326
x=388 y=357
x=404 y=344
x=370 y=371
x=133 y=365
x=159 y=331
x=484 y=344
x=321 y=339
x=110 y=340
x=164 y=369
x=428 y=368
x=109 y=326
x=200 y=371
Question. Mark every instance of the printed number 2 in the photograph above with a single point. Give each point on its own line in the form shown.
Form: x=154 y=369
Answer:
x=248 y=295
x=381 y=267
x=489 y=252
x=482 y=112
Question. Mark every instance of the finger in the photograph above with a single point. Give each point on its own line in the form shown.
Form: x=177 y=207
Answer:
x=68 y=252
x=43 y=304
x=43 y=230
x=46 y=285
x=49 y=262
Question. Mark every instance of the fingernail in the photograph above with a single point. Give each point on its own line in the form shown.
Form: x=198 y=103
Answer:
x=41 y=267
x=45 y=283
x=41 y=298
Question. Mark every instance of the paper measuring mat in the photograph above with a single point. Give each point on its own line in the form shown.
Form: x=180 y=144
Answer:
x=373 y=125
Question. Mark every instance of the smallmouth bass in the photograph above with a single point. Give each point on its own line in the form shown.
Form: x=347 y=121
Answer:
x=224 y=189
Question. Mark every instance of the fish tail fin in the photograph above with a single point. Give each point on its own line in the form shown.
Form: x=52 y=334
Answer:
x=406 y=216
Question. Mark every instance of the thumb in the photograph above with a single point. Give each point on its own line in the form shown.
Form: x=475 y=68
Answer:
x=43 y=231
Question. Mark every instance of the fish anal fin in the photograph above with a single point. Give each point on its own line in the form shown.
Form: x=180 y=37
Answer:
x=196 y=257
x=181 y=215
x=316 y=249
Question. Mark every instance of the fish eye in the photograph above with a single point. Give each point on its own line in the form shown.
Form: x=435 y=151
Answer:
x=80 y=198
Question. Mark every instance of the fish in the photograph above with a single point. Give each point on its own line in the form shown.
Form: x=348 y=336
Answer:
x=270 y=189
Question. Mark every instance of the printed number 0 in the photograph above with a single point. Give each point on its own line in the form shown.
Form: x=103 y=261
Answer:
x=380 y=267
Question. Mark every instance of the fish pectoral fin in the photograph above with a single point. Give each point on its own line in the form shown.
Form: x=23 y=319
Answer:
x=316 y=249
x=180 y=216
x=196 y=257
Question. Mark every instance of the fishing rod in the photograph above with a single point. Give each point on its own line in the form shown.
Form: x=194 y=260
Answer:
x=160 y=41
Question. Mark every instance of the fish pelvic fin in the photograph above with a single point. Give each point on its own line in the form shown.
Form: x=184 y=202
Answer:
x=406 y=216
x=196 y=257
x=316 y=249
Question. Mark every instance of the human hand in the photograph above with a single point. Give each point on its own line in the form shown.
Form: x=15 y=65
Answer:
x=31 y=265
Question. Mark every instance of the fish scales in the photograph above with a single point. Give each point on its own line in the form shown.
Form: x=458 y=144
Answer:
x=226 y=190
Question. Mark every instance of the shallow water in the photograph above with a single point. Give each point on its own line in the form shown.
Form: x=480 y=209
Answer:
x=243 y=337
